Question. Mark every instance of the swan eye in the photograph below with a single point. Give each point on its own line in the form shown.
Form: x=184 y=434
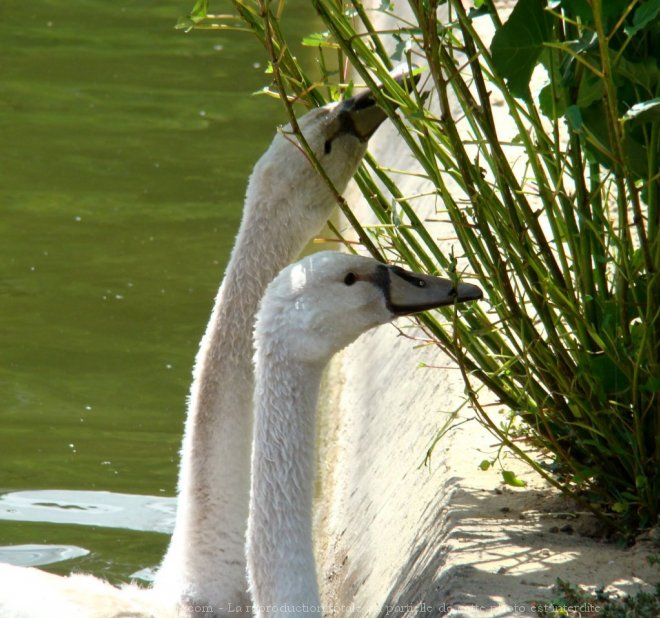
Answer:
x=350 y=279
x=327 y=147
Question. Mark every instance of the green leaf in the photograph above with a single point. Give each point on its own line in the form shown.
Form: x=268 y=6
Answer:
x=612 y=11
x=348 y=92
x=644 y=111
x=645 y=14
x=644 y=73
x=480 y=8
x=318 y=39
x=591 y=89
x=198 y=13
x=200 y=10
x=584 y=475
x=620 y=507
x=551 y=106
x=184 y=23
x=569 y=65
x=574 y=117
x=607 y=375
x=652 y=385
x=578 y=8
x=518 y=43
x=401 y=46
x=510 y=478
x=484 y=465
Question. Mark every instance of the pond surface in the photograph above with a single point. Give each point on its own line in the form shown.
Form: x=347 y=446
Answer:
x=125 y=151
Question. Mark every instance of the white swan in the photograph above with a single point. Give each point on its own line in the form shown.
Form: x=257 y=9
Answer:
x=286 y=203
x=310 y=311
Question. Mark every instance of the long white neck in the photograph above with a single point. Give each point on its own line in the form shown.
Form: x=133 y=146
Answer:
x=280 y=553
x=286 y=204
x=205 y=562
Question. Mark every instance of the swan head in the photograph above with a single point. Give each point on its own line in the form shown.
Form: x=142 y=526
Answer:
x=285 y=184
x=337 y=133
x=319 y=305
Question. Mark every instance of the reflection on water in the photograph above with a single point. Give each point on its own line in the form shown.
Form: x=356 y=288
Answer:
x=39 y=555
x=90 y=508
x=148 y=574
x=83 y=508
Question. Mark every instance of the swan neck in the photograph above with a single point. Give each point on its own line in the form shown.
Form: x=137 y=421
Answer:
x=279 y=542
x=214 y=478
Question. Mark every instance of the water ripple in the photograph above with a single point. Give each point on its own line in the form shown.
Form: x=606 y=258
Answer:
x=39 y=555
x=90 y=508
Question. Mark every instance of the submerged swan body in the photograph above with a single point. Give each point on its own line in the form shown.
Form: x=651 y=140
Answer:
x=310 y=311
x=204 y=569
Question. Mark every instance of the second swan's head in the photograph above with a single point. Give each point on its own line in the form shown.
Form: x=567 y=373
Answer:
x=338 y=134
x=320 y=304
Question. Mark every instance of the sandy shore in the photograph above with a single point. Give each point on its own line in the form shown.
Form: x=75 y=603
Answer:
x=402 y=539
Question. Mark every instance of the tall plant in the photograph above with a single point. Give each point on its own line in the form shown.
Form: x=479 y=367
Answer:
x=568 y=250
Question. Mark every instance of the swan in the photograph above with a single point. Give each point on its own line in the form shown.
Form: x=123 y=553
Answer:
x=286 y=204
x=204 y=570
x=311 y=310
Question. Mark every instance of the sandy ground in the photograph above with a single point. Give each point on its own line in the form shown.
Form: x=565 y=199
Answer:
x=397 y=538
x=405 y=540
x=401 y=539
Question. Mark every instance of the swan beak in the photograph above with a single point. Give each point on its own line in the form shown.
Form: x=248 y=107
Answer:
x=361 y=115
x=407 y=293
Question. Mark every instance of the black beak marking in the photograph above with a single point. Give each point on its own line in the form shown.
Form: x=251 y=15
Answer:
x=361 y=116
x=407 y=293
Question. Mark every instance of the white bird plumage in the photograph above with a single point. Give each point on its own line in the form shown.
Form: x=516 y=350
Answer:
x=310 y=311
x=286 y=204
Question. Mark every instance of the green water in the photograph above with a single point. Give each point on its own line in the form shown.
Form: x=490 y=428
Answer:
x=125 y=148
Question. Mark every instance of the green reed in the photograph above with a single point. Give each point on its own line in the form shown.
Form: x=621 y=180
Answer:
x=567 y=248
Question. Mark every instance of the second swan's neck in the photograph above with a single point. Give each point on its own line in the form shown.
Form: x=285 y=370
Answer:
x=205 y=561
x=279 y=540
